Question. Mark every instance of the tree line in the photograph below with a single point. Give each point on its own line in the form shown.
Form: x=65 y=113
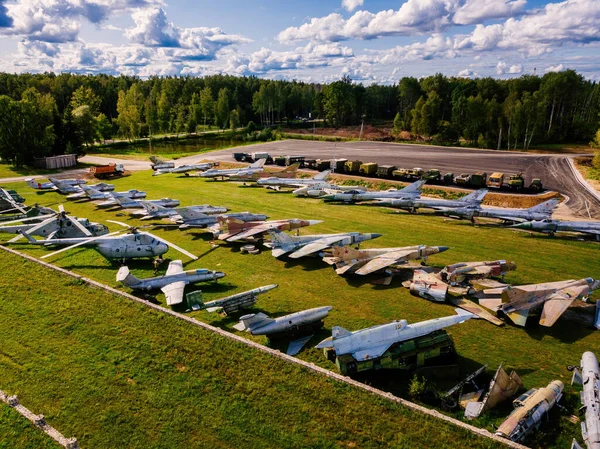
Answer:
x=50 y=114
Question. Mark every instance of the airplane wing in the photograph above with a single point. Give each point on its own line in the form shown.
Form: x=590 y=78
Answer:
x=296 y=346
x=174 y=292
x=260 y=229
x=509 y=218
x=370 y=353
x=383 y=261
x=555 y=306
x=317 y=245
x=175 y=267
x=475 y=309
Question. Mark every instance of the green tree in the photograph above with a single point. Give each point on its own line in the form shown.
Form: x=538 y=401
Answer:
x=207 y=104
x=85 y=96
x=234 y=119
x=85 y=124
x=104 y=127
x=398 y=124
x=222 y=109
x=129 y=107
x=339 y=101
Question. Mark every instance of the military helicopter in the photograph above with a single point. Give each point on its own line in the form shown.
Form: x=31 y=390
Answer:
x=10 y=201
x=133 y=245
x=53 y=225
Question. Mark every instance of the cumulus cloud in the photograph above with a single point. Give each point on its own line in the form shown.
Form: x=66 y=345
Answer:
x=502 y=68
x=152 y=29
x=351 y=5
x=59 y=20
x=413 y=17
x=555 y=68
x=514 y=69
x=467 y=73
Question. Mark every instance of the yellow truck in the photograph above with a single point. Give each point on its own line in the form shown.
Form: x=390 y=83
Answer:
x=495 y=180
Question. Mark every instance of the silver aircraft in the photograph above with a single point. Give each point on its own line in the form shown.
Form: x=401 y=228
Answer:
x=412 y=204
x=172 y=283
x=373 y=342
x=55 y=225
x=134 y=244
x=224 y=173
x=276 y=182
x=301 y=246
x=553 y=226
x=324 y=188
x=184 y=168
x=130 y=203
x=94 y=193
x=55 y=184
x=590 y=400
x=542 y=211
x=111 y=197
x=152 y=210
x=412 y=191
x=229 y=304
x=192 y=219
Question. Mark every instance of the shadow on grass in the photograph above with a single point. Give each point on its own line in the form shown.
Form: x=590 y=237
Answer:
x=564 y=330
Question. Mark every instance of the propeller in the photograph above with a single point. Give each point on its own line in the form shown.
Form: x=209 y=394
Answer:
x=81 y=243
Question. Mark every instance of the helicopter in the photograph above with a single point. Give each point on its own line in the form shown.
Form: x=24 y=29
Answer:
x=53 y=225
x=133 y=245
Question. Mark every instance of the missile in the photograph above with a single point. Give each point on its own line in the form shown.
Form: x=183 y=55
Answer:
x=228 y=304
x=261 y=324
x=590 y=400
x=374 y=341
x=530 y=409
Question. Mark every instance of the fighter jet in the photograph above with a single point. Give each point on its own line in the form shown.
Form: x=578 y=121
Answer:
x=277 y=182
x=232 y=229
x=55 y=225
x=299 y=322
x=590 y=400
x=412 y=204
x=301 y=246
x=366 y=261
x=172 y=283
x=54 y=184
x=530 y=409
x=553 y=226
x=93 y=193
x=412 y=191
x=373 y=342
x=287 y=173
x=229 y=304
x=224 y=173
x=130 y=203
x=111 y=197
x=542 y=211
x=192 y=219
x=324 y=188
x=554 y=297
x=184 y=168
x=151 y=211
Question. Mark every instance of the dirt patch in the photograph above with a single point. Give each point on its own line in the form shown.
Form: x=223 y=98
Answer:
x=584 y=165
x=370 y=132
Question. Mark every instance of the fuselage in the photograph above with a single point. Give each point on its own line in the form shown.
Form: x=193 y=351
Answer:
x=189 y=277
x=292 y=322
x=590 y=399
x=499 y=213
x=59 y=228
x=365 y=196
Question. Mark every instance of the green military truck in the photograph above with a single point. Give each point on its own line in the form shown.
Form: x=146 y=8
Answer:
x=407 y=355
x=385 y=171
x=432 y=176
x=478 y=179
x=536 y=185
x=516 y=181
x=368 y=169
x=352 y=166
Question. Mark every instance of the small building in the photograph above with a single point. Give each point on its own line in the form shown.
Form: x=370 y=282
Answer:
x=55 y=162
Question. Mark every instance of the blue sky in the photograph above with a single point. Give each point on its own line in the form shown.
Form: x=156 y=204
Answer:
x=373 y=41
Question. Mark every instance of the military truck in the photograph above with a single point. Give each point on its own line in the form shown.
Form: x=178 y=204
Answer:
x=368 y=169
x=352 y=166
x=516 y=181
x=448 y=178
x=401 y=174
x=536 y=185
x=323 y=164
x=415 y=173
x=385 y=171
x=106 y=171
x=478 y=179
x=496 y=180
x=462 y=179
x=406 y=355
x=432 y=175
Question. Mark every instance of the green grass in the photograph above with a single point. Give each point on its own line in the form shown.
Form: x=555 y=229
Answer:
x=10 y=171
x=16 y=432
x=538 y=354
x=118 y=375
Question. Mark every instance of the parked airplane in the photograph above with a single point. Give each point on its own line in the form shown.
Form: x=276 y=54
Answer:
x=287 y=173
x=192 y=219
x=324 y=188
x=552 y=226
x=412 y=191
x=277 y=182
x=589 y=378
x=152 y=210
x=412 y=204
x=232 y=229
x=224 y=173
x=185 y=168
x=306 y=245
x=540 y=212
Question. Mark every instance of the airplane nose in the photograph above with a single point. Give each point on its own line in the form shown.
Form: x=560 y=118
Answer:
x=328 y=197
x=525 y=225
x=375 y=236
x=219 y=274
x=314 y=222
x=441 y=249
x=162 y=248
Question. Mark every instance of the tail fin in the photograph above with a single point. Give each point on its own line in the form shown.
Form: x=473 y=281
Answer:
x=152 y=207
x=230 y=224
x=31 y=183
x=254 y=320
x=126 y=278
x=475 y=197
x=546 y=206
x=292 y=168
x=345 y=252
x=338 y=332
x=258 y=164
x=414 y=188
x=322 y=176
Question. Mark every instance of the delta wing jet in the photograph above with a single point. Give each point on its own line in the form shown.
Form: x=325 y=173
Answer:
x=542 y=211
x=411 y=191
x=410 y=204
x=224 y=173
x=287 y=173
x=278 y=182
x=324 y=188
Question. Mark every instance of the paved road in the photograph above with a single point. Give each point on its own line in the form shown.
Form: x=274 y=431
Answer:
x=553 y=170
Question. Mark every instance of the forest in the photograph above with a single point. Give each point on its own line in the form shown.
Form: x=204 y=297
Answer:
x=50 y=114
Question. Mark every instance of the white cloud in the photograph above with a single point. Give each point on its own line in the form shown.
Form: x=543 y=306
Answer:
x=351 y=5
x=467 y=73
x=516 y=68
x=555 y=68
x=474 y=11
x=501 y=68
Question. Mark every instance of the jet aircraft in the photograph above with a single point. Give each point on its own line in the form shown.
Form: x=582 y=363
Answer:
x=552 y=226
x=589 y=378
x=278 y=182
x=288 y=172
x=153 y=211
x=232 y=229
x=411 y=191
x=172 y=283
x=412 y=204
x=192 y=219
x=184 y=168
x=301 y=246
x=224 y=173
x=540 y=212
x=324 y=188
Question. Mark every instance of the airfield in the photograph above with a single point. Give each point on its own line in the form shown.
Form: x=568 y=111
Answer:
x=144 y=380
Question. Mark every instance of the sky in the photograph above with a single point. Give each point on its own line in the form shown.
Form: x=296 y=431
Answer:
x=372 y=41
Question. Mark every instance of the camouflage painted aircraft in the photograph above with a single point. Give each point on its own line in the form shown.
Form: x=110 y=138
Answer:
x=366 y=261
x=542 y=211
x=412 y=191
x=301 y=246
x=554 y=298
x=232 y=229
x=287 y=173
x=225 y=173
x=553 y=226
x=412 y=204
x=190 y=218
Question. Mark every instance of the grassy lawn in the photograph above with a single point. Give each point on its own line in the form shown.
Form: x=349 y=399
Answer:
x=16 y=432
x=116 y=374
x=10 y=171
x=538 y=354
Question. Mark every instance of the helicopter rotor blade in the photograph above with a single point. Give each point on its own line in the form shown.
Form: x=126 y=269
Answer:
x=61 y=208
x=119 y=223
x=25 y=220
x=33 y=230
x=171 y=245
x=79 y=225
x=82 y=242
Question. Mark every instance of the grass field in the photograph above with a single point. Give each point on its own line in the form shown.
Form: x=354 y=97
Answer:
x=9 y=171
x=118 y=375
x=16 y=432
x=539 y=355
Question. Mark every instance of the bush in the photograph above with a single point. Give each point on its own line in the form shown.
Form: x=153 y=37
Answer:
x=596 y=160
x=251 y=127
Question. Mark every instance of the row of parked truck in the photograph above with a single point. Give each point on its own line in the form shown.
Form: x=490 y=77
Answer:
x=514 y=181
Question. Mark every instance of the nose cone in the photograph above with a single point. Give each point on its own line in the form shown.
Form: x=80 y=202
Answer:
x=218 y=274
x=374 y=236
x=525 y=225
x=441 y=249
x=510 y=266
x=161 y=248
x=329 y=197
x=314 y=222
